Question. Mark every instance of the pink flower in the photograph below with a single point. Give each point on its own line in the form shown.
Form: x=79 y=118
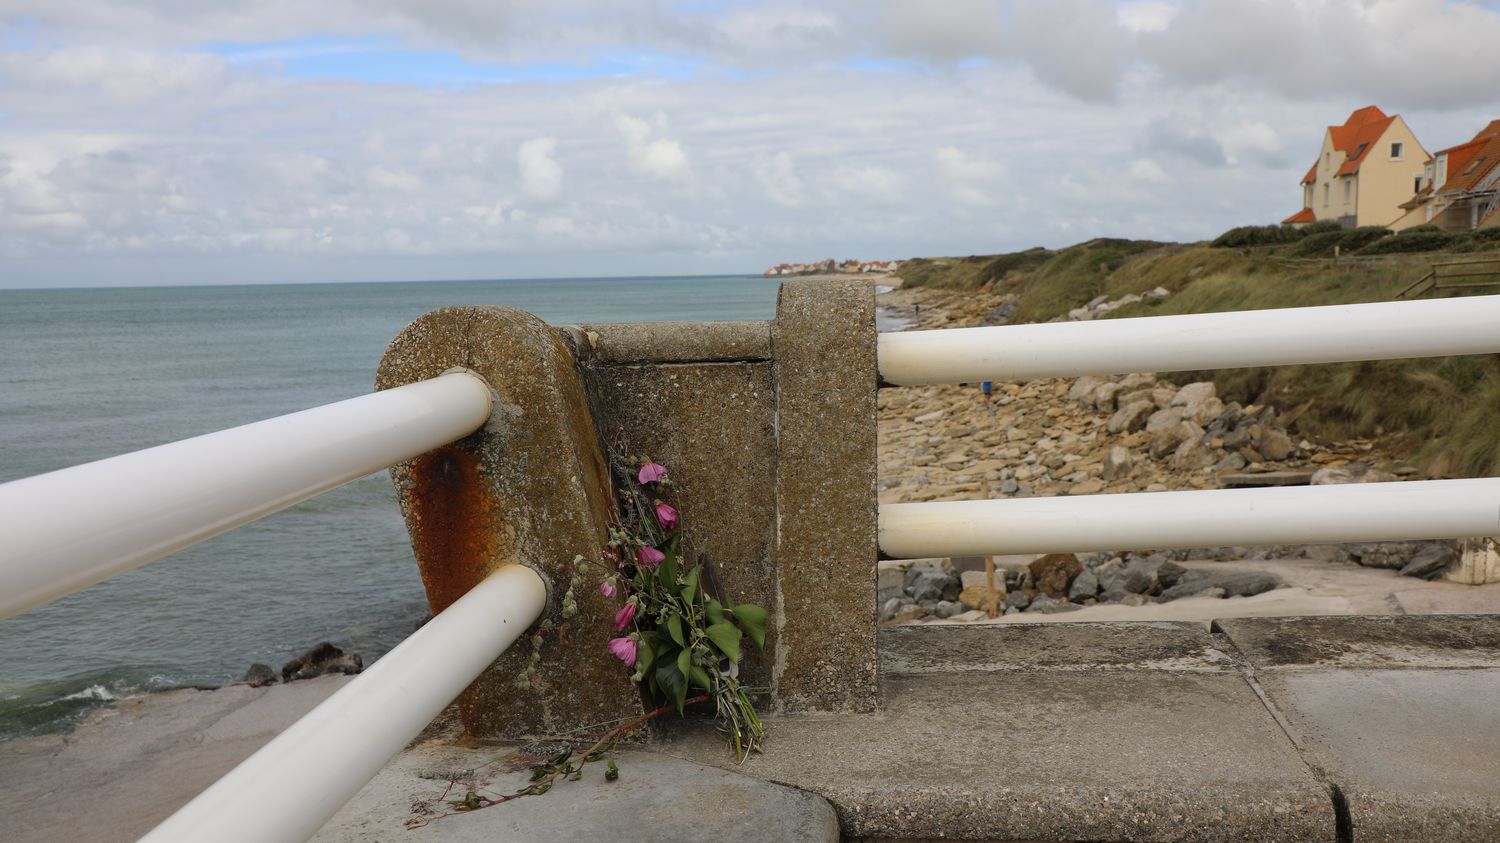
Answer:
x=651 y=472
x=607 y=588
x=624 y=617
x=624 y=650
x=649 y=557
x=666 y=516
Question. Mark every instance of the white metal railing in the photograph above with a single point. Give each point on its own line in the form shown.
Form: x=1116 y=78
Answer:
x=289 y=788
x=1365 y=512
x=1334 y=334
x=69 y=529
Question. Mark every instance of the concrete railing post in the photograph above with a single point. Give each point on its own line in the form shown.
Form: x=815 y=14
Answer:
x=823 y=347
x=530 y=487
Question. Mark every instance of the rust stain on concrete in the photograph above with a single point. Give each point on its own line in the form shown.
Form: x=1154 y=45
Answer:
x=450 y=525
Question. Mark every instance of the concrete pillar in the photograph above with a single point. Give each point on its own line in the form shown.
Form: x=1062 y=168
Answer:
x=530 y=487
x=823 y=349
x=1478 y=562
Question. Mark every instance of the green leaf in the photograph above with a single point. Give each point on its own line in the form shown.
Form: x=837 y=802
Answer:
x=667 y=572
x=611 y=771
x=726 y=636
x=672 y=685
x=684 y=662
x=674 y=629
x=714 y=610
x=699 y=677
x=644 y=654
x=752 y=619
x=690 y=588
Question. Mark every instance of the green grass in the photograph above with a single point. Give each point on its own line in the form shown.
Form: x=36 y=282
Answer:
x=1445 y=411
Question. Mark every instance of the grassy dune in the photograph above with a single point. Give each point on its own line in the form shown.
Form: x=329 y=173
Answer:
x=1443 y=412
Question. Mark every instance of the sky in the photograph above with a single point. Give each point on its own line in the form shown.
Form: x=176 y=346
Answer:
x=196 y=142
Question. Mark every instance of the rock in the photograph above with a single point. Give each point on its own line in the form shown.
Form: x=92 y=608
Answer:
x=1050 y=605
x=259 y=675
x=971 y=616
x=978 y=596
x=1009 y=486
x=1230 y=463
x=1002 y=313
x=894 y=607
x=890 y=582
x=1117 y=462
x=1104 y=397
x=1390 y=555
x=1087 y=487
x=926 y=584
x=1018 y=600
x=948 y=608
x=1211 y=591
x=1352 y=473
x=1164 y=419
x=1192 y=454
x=1083 y=388
x=1240 y=584
x=324 y=658
x=1274 y=444
x=1130 y=417
x=1084 y=586
x=1166 y=441
x=1137 y=380
x=929 y=417
x=1158 y=293
x=1194 y=394
x=1162 y=394
x=1133 y=600
x=1430 y=561
x=1054 y=572
x=1256 y=479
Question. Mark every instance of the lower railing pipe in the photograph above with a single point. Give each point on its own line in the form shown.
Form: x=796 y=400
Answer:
x=1289 y=515
x=285 y=792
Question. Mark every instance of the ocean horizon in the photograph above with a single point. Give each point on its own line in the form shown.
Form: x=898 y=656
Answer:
x=89 y=373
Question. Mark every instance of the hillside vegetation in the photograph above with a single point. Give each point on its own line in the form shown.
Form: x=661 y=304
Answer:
x=1443 y=412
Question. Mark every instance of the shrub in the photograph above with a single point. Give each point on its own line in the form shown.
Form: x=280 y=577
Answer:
x=1422 y=241
x=1257 y=235
x=1320 y=227
x=1358 y=238
x=1003 y=265
x=1319 y=245
x=1425 y=228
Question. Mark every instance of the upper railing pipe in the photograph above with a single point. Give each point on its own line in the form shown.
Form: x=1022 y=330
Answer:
x=1289 y=515
x=1334 y=334
x=288 y=789
x=69 y=529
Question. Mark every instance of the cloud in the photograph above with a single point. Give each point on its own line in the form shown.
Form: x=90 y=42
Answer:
x=661 y=158
x=777 y=176
x=541 y=175
x=969 y=180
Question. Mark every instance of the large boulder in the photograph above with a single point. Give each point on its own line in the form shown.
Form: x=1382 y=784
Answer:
x=1130 y=417
x=1430 y=561
x=1054 y=572
x=1239 y=584
x=321 y=659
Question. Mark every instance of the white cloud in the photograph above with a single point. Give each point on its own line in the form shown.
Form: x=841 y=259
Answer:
x=661 y=158
x=541 y=175
x=969 y=180
x=778 y=177
x=782 y=130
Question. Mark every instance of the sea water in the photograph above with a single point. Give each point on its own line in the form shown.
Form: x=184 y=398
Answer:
x=87 y=374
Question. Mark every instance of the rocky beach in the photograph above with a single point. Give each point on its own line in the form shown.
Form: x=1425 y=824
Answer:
x=1102 y=435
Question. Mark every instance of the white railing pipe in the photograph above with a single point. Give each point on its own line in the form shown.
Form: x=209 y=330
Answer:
x=289 y=788
x=68 y=529
x=1334 y=334
x=1359 y=512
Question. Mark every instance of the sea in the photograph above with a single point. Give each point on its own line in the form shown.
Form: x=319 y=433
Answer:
x=90 y=373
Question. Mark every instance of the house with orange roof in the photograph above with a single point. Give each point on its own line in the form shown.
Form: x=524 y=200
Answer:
x=1460 y=187
x=1365 y=170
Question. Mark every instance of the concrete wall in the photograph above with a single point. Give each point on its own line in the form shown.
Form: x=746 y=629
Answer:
x=768 y=429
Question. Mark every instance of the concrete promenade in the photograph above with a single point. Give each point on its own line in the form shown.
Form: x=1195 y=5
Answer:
x=1334 y=728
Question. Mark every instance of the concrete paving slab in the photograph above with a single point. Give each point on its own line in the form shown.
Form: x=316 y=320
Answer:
x=128 y=767
x=657 y=799
x=1148 y=738
x=1397 y=712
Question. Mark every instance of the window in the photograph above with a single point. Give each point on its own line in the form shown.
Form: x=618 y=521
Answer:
x=1395 y=150
x=1325 y=193
x=1416 y=185
x=1348 y=188
x=1327 y=158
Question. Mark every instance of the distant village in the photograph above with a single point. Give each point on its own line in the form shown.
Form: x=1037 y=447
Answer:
x=830 y=266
